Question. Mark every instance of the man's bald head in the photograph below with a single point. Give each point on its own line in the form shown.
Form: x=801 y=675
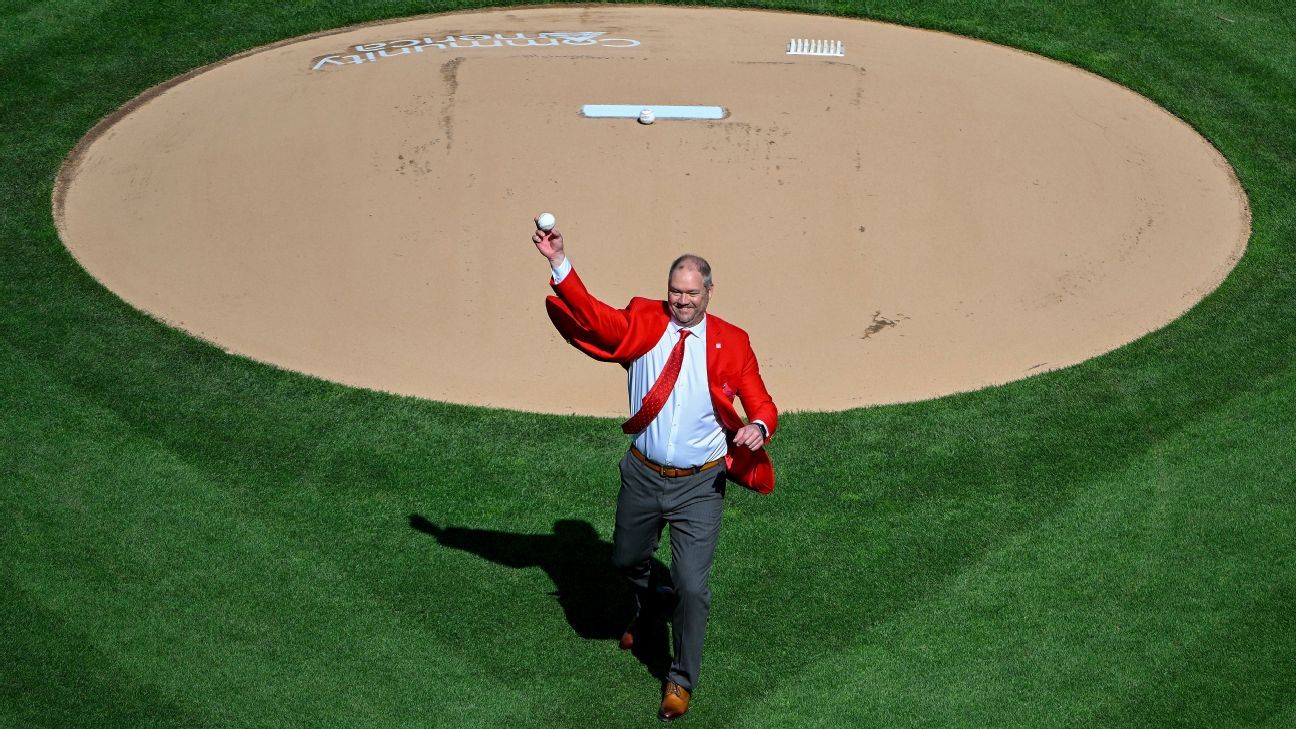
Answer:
x=695 y=263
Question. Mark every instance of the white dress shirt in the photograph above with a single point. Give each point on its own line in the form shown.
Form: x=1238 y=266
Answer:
x=685 y=433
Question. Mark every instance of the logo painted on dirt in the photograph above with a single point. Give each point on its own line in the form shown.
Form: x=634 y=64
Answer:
x=379 y=50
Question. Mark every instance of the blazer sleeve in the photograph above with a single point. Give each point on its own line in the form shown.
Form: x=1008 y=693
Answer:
x=595 y=323
x=756 y=400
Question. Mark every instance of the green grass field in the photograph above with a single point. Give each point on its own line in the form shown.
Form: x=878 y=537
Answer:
x=192 y=539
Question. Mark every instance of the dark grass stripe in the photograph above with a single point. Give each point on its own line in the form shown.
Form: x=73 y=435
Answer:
x=55 y=676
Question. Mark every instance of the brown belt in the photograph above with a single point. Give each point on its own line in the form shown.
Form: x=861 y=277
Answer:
x=674 y=472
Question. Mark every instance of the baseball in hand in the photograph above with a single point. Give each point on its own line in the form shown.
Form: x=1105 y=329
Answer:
x=545 y=222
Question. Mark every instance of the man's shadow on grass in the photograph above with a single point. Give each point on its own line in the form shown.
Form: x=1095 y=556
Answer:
x=592 y=595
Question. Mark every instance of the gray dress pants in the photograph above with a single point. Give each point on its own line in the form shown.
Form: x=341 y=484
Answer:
x=692 y=505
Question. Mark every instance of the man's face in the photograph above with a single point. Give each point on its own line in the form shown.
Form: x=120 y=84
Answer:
x=687 y=297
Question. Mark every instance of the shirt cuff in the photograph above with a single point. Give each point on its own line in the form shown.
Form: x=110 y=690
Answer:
x=561 y=270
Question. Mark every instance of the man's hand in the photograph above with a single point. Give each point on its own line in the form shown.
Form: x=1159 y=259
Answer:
x=550 y=245
x=750 y=435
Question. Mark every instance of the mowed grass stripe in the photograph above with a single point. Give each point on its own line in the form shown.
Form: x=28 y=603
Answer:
x=157 y=569
x=55 y=675
x=1162 y=594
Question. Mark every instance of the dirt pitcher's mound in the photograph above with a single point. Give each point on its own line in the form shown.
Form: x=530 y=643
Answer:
x=921 y=215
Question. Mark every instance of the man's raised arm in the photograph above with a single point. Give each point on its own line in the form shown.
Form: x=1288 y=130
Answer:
x=607 y=324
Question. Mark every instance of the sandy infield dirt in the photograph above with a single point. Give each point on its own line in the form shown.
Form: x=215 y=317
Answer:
x=924 y=215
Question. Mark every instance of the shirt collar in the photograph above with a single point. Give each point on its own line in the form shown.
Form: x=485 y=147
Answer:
x=697 y=330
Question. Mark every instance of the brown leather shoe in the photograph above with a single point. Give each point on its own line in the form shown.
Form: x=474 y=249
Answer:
x=627 y=637
x=654 y=611
x=675 y=701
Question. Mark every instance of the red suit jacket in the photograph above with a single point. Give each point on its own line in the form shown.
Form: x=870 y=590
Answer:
x=623 y=335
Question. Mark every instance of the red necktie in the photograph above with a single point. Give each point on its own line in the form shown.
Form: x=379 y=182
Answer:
x=661 y=389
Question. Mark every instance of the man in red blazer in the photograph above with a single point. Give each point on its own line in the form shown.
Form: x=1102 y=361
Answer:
x=684 y=369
